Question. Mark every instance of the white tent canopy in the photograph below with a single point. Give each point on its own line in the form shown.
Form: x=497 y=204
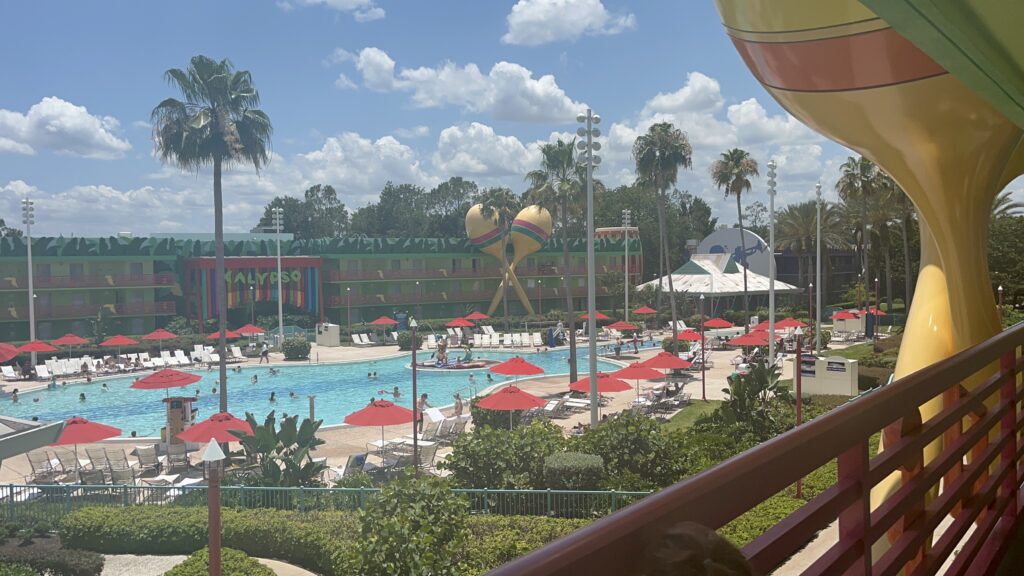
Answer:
x=717 y=275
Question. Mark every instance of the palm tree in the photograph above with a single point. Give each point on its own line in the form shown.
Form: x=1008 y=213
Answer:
x=906 y=212
x=504 y=204
x=658 y=154
x=1005 y=205
x=887 y=194
x=855 y=186
x=557 y=186
x=796 y=230
x=732 y=173
x=217 y=124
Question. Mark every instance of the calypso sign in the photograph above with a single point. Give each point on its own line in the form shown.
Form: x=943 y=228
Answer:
x=250 y=277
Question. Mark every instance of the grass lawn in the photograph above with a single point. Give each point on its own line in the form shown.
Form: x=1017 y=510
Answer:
x=855 y=352
x=687 y=416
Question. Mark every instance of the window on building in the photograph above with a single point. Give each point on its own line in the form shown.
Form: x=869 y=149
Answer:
x=456 y=264
x=136 y=296
x=417 y=264
x=78 y=298
x=456 y=287
x=42 y=270
x=76 y=271
x=138 y=325
x=581 y=282
x=475 y=263
x=44 y=331
x=394 y=288
x=135 y=270
x=353 y=265
x=396 y=264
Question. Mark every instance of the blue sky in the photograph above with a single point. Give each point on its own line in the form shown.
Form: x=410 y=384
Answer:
x=363 y=91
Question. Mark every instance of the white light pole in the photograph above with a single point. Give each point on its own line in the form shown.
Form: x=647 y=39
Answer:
x=278 y=224
x=817 y=273
x=588 y=147
x=771 y=262
x=28 y=219
x=626 y=215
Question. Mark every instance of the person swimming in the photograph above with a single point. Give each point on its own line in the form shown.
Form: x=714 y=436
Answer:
x=81 y=397
x=103 y=387
x=273 y=396
x=36 y=399
x=292 y=395
x=14 y=397
x=254 y=380
x=274 y=371
x=489 y=377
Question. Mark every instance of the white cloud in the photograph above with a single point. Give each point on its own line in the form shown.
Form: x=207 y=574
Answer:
x=536 y=22
x=754 y=126
x=142 y=124
x=337 y=56
x=477 y=151
x=343 y=82
x=62 y=127
x=414 y=132
x=507 y=92
x=700 y=94
x=361 y=10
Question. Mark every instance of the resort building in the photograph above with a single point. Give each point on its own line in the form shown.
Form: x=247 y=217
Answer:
x=141 y=282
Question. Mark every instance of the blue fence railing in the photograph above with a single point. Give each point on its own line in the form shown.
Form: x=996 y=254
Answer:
x=30 y=503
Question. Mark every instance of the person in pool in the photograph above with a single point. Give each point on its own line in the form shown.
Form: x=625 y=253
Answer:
x=489 y=377
x=292 y=395
x=53 y=383
x=254 y=380
x=274 y=371
x=36 y=399
x=81 y=397
x=103 y=387
x=273 y=396
x=14 y=396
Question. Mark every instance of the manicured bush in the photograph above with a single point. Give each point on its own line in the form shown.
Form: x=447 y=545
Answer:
x=637 y=453
x=49 y=558
x=492 y=458
x=12 y=569
x=573 y=471
x=232 y=563
x=756 y=521
x=502 y=419
x=412 y=527
x=499 y=539
x=405 y=340
x=295 y=349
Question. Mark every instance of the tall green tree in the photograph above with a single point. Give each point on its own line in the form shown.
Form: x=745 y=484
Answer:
x=796 y=230
x=7 y=231
x=293 y=216
x=447 y=205
x=659 y=154
x=217 y=124
x=856 y=187
x=318 y=214
x=732 y=173
x=557 y=186
x=1003 y=205
x=906 y=213
x=881 y=215
x=399 y=209
x=504 y=204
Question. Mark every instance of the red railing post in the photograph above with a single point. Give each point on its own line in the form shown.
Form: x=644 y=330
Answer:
x=1008 y=428
x=855 y=520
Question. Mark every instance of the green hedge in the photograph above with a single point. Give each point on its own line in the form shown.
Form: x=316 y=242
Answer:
x=9 y=569
x=232 y=563
x=573 y=471
x=295 y=349
x=47 y=557
x=325 y=543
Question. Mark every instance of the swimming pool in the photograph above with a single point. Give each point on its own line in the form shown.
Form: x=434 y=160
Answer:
x=339 y=389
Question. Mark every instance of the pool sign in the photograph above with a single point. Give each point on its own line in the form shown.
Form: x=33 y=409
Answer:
x=251 y=277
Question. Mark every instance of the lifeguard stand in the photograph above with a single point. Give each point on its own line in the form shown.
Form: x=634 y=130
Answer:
x=180 y=416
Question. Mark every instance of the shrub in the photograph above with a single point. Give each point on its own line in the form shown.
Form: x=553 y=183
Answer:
x=573 y=471
x=232 y=563
x=492 y=458
x=9 y=569
x=412 y=527
x=295 y=349
x=756 y=521
x=499 y=539
x=405 y=340
x=637 y=453
x=493 y=418
x=50 y=559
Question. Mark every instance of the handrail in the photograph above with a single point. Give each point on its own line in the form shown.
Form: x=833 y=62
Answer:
x=83 y=310
x=89 y=281
x=720 y=494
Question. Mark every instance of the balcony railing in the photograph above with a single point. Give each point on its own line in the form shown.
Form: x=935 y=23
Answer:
x=442 y=273
x=87 y=310
x=341 y=301
x=94 y=281
x=972 y=482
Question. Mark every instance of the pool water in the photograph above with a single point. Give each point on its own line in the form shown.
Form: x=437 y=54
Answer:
x=340 y=389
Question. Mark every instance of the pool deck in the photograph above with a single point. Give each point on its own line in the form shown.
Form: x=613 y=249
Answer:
x=342 y=440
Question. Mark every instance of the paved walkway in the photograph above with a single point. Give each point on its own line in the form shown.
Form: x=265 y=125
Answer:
x=132 y=565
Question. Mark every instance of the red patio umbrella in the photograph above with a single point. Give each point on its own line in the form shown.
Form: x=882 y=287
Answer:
x=69 y=340
x=516 y=367
x=689 y=336
x=477 y=316
x=763 y=325
x=81 y=431
x=380 y=413
x=620 y=325
x=606 y=384
x=218 y=427
x=666 y=361
x=637 y=371
x=598 y=315
x=717 y=323
x=645 y=310
x=228 y=335
x=752 y=339
x=166 y=378
x=7 y=352
x=844 y=315
x=873 y=310
x=250 y=330
x=118 y=341
x=511 y=398
x=160 y=335
x=460 y=323
x=36 y=346
x=383 y=321
x=790 y=322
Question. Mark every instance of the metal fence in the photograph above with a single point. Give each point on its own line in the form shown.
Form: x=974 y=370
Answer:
x=33 y=503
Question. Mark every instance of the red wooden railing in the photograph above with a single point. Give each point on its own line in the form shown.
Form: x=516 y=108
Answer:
x=94 y=281
x=85 y=310
x=975 y=479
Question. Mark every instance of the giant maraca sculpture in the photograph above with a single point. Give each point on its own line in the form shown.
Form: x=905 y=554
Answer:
x=490 y=238
x=530 y=232
x=842 y=70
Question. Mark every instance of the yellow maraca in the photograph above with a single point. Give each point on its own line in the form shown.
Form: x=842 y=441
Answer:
x=486 y=235
x=530 y=231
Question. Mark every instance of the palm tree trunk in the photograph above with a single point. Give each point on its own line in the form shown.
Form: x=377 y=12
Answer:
x=668 y=268
x=886 y=247
x=570 y=313
x=743 y=257
x=219 y=280
x=907 y=283
x=661 y=270
x=864 y=239
x=504 y=295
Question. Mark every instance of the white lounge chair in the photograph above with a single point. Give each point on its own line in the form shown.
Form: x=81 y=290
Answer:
x=431 y=342
x=507 y=341
x=537 y=340
x=42 y=373
x=182 y=359
x=158 y=362
x=8 y=373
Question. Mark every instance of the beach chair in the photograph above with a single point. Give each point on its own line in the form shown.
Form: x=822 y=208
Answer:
x=42 y=373
x=507 y=340
x=182 y=359
x=431 y=342
x=117 y=459
x=91 y=477
x=488 y=329
x=51 y=366
x=8 y=373
x=122 y=477
x=167 y=359
x=556 y=409
x=177 y=457
x=517 y=340
x=537 y=340
x=71 y=367
x=69 y=463
x=97 y=458
x=458 y=427
x=43 y=471
x=214 y=358
x=158 y=362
